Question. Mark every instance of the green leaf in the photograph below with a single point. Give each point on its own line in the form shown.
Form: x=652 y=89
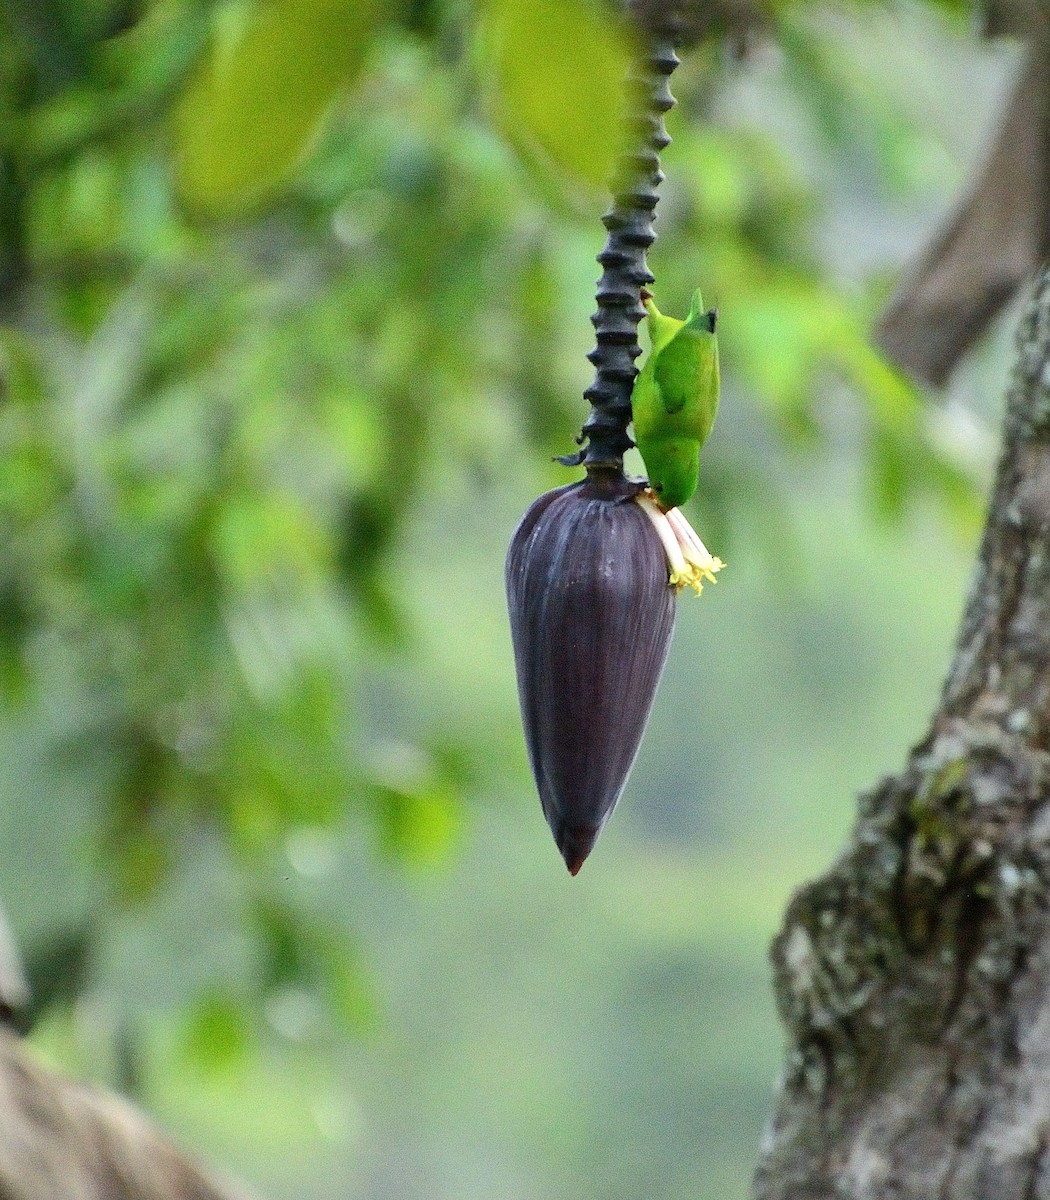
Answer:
x=217 y=1036
x=283 y=943
x=254 y=108
x=21 y=374
x=556 y=72
x=347 y=986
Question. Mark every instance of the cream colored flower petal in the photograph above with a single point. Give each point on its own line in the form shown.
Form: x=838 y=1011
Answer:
x=675 y=558
x=688 y=559
x=696 y=553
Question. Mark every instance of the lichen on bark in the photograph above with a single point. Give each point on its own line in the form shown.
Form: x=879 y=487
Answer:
x=913 y=978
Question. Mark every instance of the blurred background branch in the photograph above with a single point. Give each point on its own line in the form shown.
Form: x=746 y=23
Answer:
x=60 y=1138
x=998 y=234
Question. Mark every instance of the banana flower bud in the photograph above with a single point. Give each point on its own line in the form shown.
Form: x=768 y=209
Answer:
x=591 y=612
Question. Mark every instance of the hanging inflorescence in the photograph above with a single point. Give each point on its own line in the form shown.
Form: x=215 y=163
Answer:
x=594 y=567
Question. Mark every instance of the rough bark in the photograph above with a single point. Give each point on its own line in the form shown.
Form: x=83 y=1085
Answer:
x=60 y=1140
x=914 y=977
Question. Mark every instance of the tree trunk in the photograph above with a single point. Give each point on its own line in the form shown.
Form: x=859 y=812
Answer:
x=60 y=1140
x=914 y=977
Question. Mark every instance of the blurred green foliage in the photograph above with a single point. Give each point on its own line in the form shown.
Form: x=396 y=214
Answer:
x=270 y=268
x=254 y=106
x=535 y=58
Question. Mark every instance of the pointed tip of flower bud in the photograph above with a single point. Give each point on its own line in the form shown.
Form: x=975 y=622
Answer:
x=575 y=843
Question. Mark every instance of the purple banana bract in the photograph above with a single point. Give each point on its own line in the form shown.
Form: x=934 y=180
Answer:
x=591 y=614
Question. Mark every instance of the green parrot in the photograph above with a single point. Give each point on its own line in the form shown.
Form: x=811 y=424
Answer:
x=675 y=400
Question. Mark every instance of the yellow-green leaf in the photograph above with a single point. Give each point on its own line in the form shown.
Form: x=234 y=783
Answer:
x=556 y=74
x=257 y=102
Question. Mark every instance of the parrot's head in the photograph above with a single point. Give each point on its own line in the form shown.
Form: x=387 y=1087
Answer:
x=699 y=318
x=674 y=471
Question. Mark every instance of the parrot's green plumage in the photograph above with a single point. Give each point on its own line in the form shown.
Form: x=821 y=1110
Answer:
x=675 y=400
